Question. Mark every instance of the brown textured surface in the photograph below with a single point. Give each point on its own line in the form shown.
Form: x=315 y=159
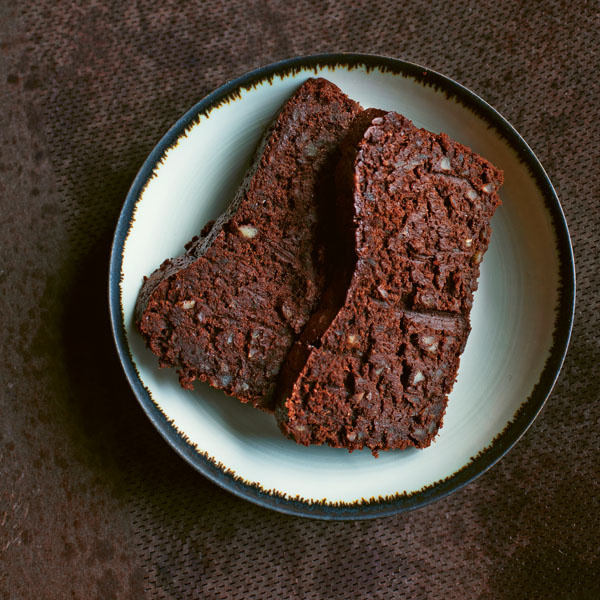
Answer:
x=93 y=504
x=378 y=373
x=260 y=273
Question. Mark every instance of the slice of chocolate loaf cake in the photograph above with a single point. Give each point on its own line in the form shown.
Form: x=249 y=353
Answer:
x=376 y=362
x=229 y=310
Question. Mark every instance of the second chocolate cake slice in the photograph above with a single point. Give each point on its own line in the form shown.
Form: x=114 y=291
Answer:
x=228 y=311
x=376 y=362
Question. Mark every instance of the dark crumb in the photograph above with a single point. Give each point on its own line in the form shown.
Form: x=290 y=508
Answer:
x=228 y=311
x=375 y=364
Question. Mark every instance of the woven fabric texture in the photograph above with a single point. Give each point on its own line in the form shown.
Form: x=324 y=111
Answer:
x=93 y=503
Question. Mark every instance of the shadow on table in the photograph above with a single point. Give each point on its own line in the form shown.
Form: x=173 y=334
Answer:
x=113 y=433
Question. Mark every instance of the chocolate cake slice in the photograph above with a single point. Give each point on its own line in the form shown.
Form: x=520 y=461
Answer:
x=377 y=360
x=228 y=310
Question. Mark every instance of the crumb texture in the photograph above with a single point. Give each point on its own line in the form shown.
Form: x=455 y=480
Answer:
x=377 y=360
x=228 y=311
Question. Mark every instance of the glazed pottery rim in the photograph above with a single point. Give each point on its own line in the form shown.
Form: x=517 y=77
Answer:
x=529 y=408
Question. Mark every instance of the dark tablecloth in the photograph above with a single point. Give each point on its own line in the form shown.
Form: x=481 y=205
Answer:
x=93 y=503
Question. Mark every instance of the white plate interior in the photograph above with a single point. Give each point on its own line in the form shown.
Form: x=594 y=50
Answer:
x=513 y=316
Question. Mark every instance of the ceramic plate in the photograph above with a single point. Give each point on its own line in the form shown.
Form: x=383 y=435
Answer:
x=521 y=318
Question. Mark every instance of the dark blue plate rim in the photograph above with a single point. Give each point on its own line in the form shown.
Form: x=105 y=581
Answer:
x=503 y=441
